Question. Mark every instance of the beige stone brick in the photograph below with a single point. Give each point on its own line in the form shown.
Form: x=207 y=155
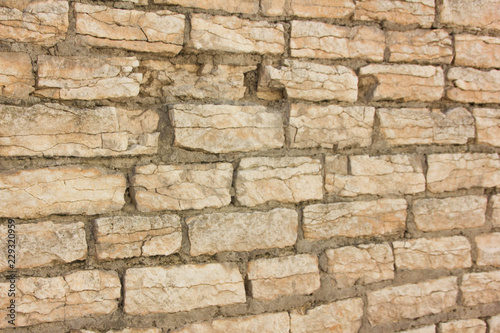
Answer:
x=403 y=12
x=125 y=330
x=182 y=288
x=16 y=77
x=470 y=85
x=471 y=14
x=494 y=324
x=230 y=6
x=488 y=249
x=425 y=329
x=480 y=288
x=495 y=216
x=477 y=51
x=487 y=126
x=306 y=8
x=463 y=326
x=242 y=231
x=292 y=275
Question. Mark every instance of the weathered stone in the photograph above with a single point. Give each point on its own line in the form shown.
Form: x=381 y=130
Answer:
x=135 y=236
x=422 y=126
x=425 y=329
x=342 y=316
x=306 y=8
x=310 y=81
x=61 y=190
x=87 y=78
x=488 y=249
x=480 y=288
x=16 y=77
x=474 y=86
x=472 y=14
x=320 y=40
x=363 y=264
x=226 y=128
x=449 y=213
x=477 y=51
x=410 y=301
x=101 y=26
x=450 y=172
x=182 y=288
x=463 y=326
x=43 y=22
x=242 y=231
x=230 y=6
x=292 y=275
x=495 y=216
x=285 y=179
x=402 y=82
x=487 y=126
x=430 y=46
x=494 y=324
x=232 y=34
x=126 y=330
x=354 y=219
x=58 y=130
x=403 y=12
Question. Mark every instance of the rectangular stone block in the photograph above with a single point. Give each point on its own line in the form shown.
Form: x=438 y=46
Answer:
x=43 y=22
x=59 y=130
x=126 y=330
x=495 y=216
x=242 y=231
x=494 y=324
x=363 y=264
x=480 y=288
x=411 y=301
x=72 y=190
x=182 y=288
x=180 y=187
x=283 y=276
x=120 y=237
x=232 y=34
x=319 y=40
x=488 y=249
x=487 y=126
x=284 y=179
x=463 y=326
x=449 y=213
x=471 y=14
x=226 y=128
x=471 y=85
x=134 y=30
x=230 y=6
x=423 y=126
x=87 y=78
x=402 y=12
x=355 y=219
x=450 y=172
x=402 y=82
x=305 y=8
x=16 y=76
x=477 y=51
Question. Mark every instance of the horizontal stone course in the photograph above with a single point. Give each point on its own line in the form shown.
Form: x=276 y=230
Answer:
x=401 y=12
x=480 y=288
x=477 y=51
x=231 y=6
x=487 y=126
x=480 y=14
x=465 y=325
x=471 y=85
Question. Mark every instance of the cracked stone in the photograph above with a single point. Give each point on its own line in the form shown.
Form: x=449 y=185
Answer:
x=487 y=126
x=306 y=8
x=425 y=329
x=474 y=86
x=230 y=6
x=126 y=330
x=463 y=326
x=403 y=12
x=16 y=77
x=495 y=216
x=494 y=324
x=488 y=249
x=475 y=15
x=477 y=51
x=480 y=288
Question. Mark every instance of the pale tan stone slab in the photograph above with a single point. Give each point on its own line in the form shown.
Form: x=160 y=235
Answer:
x=471 y=14
x=402 y=12
x=306 y=8
x=471 y=85
x=488 y=249
x=477 y=51
x=480 y=288
x=487 y=126
x=463 y=326
x=230 y=6
x=16 y=76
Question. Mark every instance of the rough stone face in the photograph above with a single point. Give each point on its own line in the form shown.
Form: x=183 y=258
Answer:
x=58 y=130
x=182 y=288
x=126 y=330
x=487 y=126
x=292 y=275
x=402 y=82
x=403 y=12
x=101 y=26
x=477 y=51
x=180 y=187
x=450 y=172
x=449 y=213
x=232 y=34
x=431 y=46
x=226 y=128
x=463 y=326
x=495 y=216
x=354 y=219
x=342 y=316
x=422 y=126
x=285 y=179
x=474 y=86
x=488 y=249
x=230 y=6
x=476 y=14
x=306 y=8
x=87 y=78
x=480 y=288
x=363 y=264
x=193 y=81
x=60 y=190
x=410 y=301
x=310 y=81
x=425 y=329
x=43 y=22
x=134 y=236
x=16 y=77
x=494 y=324
x=320 y=40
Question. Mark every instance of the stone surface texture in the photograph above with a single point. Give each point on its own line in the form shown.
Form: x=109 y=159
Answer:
x=480 y=288
x=477 y=51
x=476 y=14
x=488 y=126
x=495 y=216
x=401 y=12
x=16 y=77
x=474 y=86
x=465 y=326
x=231 y=6
x=488 y=249
x=307 y=8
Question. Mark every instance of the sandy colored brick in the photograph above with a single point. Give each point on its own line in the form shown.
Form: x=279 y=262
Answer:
x=411 y=301
x=449 y=213
x=306 y=8
x=355 y=219
x=292 y=275
x=422 y=45
x=58 y=130
x=471 y=14
x=423 y=126
x=341 y=316
x=16 y=77
x=101 y=26
x=226 y=128
x=182 y=288
x=402 y=12
x=232 y=34
x=230 y=6
x=402 y=82
x=450 y=172
x=319 y=40
x=43 y=22
x=477 y=51
x=487 y=126
x=425 y=329
x=495 y=216
x=120 y=237
x=463 y=326
x=488 y=249
x=471 y=85
x=284 y=179
x=494 y=324
x=34 y=193
x=362 y=264
x=480 y=288
x=87 y=78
